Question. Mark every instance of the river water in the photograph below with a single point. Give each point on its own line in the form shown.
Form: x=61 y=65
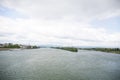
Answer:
x=56 y=64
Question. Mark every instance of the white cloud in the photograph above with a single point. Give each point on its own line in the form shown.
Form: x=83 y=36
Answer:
x=63 y=22
x=81 y=9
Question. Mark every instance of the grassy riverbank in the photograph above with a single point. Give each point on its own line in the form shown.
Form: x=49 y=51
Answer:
x=4 y=49
x=72 y=49
x=9 y=46
x=109 y=50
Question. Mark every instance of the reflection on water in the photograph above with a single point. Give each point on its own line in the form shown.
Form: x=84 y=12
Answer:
x=54 y=64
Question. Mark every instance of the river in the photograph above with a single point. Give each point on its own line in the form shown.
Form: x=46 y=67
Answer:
x=56 y=64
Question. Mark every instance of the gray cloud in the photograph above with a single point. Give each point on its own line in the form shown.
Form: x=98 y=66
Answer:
x=78 y=39
x=3 y=34
x=78 y=9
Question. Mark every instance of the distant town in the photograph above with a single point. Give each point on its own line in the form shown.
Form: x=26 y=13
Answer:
x=5 y=46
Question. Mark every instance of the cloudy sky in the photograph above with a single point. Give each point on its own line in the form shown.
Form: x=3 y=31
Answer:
x=61 y=22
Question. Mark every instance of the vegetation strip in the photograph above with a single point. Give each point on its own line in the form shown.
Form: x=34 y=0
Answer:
x=67 y=48
x=8 y=46
x=109 y=50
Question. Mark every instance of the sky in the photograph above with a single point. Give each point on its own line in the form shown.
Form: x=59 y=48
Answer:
x=93 y=23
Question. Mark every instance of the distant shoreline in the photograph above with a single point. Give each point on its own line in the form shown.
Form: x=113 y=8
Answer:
x=108 y=50
x=5 y=49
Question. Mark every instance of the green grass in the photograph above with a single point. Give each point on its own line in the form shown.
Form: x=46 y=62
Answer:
x=72 y=49
x=109 y=50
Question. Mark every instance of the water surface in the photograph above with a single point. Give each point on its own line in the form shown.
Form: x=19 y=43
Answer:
x=55 y=64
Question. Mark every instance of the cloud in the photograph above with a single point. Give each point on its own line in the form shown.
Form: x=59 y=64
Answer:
x=11 y=13
x=60 y=9
x=63 y=22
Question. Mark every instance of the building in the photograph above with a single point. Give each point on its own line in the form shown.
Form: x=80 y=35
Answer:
x=1 y=45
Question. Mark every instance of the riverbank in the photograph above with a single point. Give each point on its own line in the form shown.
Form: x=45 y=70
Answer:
x=72 y=49
x=4 y=49
x=108 y=50
x=8 y=46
